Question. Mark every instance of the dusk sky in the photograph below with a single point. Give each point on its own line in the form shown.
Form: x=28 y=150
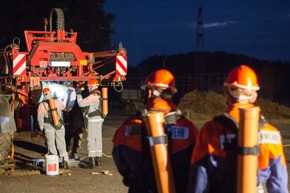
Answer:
x=259 y=28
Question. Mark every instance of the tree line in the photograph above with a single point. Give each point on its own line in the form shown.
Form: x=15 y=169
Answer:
x=273 y=75
x=86 y=17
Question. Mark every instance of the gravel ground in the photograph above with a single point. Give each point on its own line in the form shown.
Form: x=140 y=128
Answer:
x=25 y=178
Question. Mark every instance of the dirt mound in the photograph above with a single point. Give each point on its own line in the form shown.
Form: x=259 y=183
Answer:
x=202 y=106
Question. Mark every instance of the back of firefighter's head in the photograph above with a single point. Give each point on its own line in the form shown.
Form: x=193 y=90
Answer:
x=160 y=83
x=158 y=104
x=242 y=85
x=93 y=85
x=47 y=94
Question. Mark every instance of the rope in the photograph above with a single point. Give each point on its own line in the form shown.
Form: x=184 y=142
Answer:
x=105 y=155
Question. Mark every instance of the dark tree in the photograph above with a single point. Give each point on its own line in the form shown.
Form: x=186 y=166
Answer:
x=86 y=17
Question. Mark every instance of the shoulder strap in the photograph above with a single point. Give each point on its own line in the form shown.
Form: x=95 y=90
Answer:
x=172 y=117
x=227 y=121
x=262 y=122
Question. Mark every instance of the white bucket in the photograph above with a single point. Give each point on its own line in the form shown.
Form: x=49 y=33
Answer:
x=52 y=165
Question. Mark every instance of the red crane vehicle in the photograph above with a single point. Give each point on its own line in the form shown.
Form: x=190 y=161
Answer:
x=53 y=59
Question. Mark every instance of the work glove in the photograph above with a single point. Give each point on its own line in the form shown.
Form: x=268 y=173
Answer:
x=78 y=90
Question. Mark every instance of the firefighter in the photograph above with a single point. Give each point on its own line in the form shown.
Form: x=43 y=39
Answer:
x=95 y=121
x=131 y=151
x=49 y=115
x=214 y=159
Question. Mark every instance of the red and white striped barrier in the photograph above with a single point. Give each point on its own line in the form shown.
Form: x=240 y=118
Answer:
x=19 y=64
x=121 y=65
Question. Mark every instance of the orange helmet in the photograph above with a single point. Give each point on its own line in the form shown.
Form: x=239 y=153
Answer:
x=160 y=79
x=46 y=90
x=242 y=77
x=93 y=82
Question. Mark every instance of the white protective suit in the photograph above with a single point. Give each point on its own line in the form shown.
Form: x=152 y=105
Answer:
x=95 y=122
x=55 y=138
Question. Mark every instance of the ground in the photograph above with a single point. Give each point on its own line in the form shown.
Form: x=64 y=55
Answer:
x=27 y=179
x=104 y=179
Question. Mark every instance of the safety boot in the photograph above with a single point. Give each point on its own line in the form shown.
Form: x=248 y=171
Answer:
x=65 y=165
x=76 y=156
x=98 y=161
x=92 y=162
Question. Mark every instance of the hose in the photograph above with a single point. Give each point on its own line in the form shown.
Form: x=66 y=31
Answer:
x=7 y=61
x=121 y=89
x=108 y=156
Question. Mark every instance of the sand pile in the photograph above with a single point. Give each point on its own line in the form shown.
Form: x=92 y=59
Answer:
x=202 y=106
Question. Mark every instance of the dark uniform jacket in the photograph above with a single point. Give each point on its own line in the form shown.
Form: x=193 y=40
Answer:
x=132 y=156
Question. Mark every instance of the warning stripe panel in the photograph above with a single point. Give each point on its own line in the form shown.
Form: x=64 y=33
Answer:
x=121 y=71
x=121 y=65
x=19 y=64
x=21 y=70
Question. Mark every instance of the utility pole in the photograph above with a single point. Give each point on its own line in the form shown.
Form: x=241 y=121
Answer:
x=199 y=63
